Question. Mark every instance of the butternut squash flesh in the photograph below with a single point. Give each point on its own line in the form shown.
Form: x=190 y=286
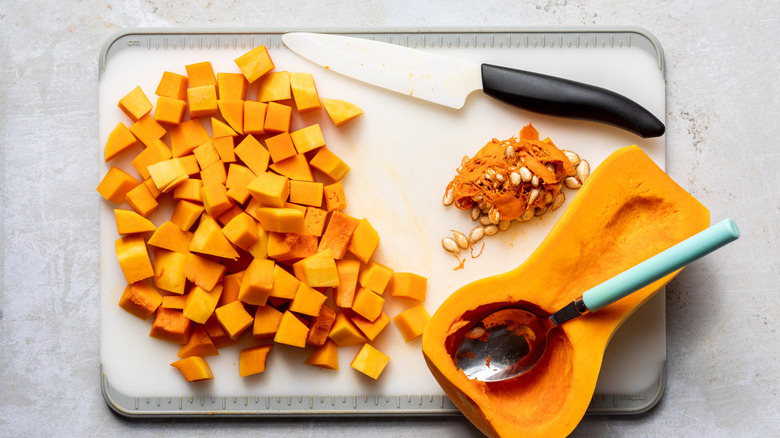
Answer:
x=627 y=211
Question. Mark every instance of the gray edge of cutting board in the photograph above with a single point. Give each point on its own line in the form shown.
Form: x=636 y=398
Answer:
x=363 y=405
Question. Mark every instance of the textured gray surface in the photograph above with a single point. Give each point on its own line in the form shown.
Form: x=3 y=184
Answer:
x=723 y=341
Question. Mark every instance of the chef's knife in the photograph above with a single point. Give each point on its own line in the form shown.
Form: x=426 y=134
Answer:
x=449 y=81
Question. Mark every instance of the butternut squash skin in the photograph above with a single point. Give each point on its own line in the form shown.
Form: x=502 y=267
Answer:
x=627 y=211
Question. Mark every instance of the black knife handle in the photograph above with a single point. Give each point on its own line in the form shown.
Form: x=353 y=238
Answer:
x=565 y=98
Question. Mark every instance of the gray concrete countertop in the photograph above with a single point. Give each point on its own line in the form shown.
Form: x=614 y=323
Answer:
x=722 y=141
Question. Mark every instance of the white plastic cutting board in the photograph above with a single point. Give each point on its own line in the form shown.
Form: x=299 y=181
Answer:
x=402 y=152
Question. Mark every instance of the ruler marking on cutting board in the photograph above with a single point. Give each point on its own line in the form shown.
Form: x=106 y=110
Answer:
x=357 y=404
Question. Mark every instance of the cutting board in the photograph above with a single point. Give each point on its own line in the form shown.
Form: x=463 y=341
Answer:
x=402 y=152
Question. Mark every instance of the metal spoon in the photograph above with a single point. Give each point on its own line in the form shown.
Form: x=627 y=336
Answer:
x=510 y=342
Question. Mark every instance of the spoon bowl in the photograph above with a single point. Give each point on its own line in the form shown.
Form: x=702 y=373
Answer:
x=511 y=341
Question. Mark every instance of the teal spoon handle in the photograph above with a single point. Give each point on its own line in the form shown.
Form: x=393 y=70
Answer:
x=660 y=265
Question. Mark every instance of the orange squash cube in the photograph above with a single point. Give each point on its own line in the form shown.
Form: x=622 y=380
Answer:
x=325 y=356
x=259 y=249
x=370 y=361
x=169 y=111
x=412 y=321
x=171 y=325
x=285 y=284
x=255 y=63
x=280 y=146
x=290 y=247
x=203 y=272
x=308 y=139
x=344 y=333
x=267 y=320
x=408 y=285
x=174 y=301
x=135 y=104
x=317 y=270
x=225 y=147
x=186 y=213
x=307 y=301
x=337 y=234
x=194 y=368
x=257 y=282
x=274 y=86
x=215 y=174
x=200 y=74
x=150 y=155
x=314 y=221
x=334 y=196
x=167 y=174
x=237 y=181
x=253 y=154
x=133 y=258
x=231 y=86
x=147 y=130
x=156 y=193
x=130 y=222
x=198 y=344
x=141 y=199
x=306 y=193
x=115 y=185
x=320 y=326
x=371 y=328
x=231 y=284
x=279 y=220
x=208 y=238
x=206 y=154
x=217 y=333
x=234 y=318
x=169 y=270
x=215 y=198
x=233 y=113
x=368 y=304
x=344 y=294
x=254 y=117
x=173 y=85
x=202 y=101
x=278 y=117
x=186 y=136
x=292 y=331
x=375 y=277
x=242 y=231
x=201 y=303
x=140 y=299
x=169 y=236
x=296 y=167
x=364 y=242
x=270 y=189
x=340 y=111
x=189 y=190
x=119 y=140
x=252 y=360
x=329 y=164
x=304 y=92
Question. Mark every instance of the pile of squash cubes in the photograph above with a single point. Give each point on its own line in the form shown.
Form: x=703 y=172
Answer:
x=255 y=244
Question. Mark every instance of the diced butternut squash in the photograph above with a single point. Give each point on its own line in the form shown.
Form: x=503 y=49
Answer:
x=215 y=198
x=329 y=164
x=325 y=356
x=232 y=111
x=225 y=147
x=306 y=193
x=173 y=85
x=152 y=154
x=280 y=220
x=280 y=146
x=214 y=174
x=135 y=104
x=206 y=154
x=200 y=73
x=209 y=239
x=334 y=197
x=141 y=199
x=285 y=284
x=254 y=155
x=231 y=86
x=140 y=299
x=115 y=185
x=198 y=344
x=231 y=284
x=375 y=277
x=202 y=101
x=167 y=174
x=368 y=304
x=119 y=140
x=296 y=167
x=169 y=236
x=259 y=249
x=304 y=92
x=317 y=270
x=341 y=111
x=314 y=221
x=217 y=333
x=186 y=136
x=201 y=303
x=186 y=213
x=169 y=111
x=270 y=189
x=254 y=117
x=344 y=294
x=156 y=193
x=267 y=319
x=133 y=258
x=408 y=285
x=171 y=325
x=169 y=270
x=237 y=182
x=292 y=331
x=320 y=326
x=252 y=360
x=371 y=328
x=257 y=282
x=412 y=321
x=274 y=86
x=337 y=234
x=307 y=301
x=234 y=318
x=202 y=271
x=130 y=222
x=364 y=242
x=147 y=130
x=189 y=190
x=255 y=63
x=242 y=231
x=308 y=139
x=174 y=301
x=278 y=117
x=370 y=361
x=344 y=333
x=194 y=368
x=290 y=247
